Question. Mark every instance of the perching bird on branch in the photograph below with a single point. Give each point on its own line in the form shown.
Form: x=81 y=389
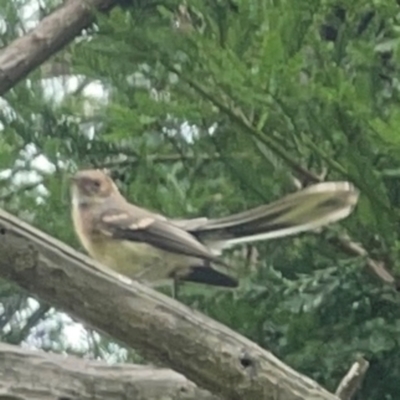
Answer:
x=151 y=248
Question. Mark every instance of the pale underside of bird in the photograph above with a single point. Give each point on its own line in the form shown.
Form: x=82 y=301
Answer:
x=151 y=248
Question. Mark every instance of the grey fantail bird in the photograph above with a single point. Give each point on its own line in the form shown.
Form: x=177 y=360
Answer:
x=150 y=247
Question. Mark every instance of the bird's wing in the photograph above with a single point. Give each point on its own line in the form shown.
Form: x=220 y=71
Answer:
x=148 y=228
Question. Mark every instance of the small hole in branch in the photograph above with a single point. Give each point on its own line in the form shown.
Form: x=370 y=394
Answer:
x=246 y=362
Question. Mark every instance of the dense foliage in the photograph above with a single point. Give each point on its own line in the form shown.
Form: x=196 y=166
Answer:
x=213 y=108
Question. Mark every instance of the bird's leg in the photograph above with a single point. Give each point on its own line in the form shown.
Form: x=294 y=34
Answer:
x=175 y=288
x=175 y=284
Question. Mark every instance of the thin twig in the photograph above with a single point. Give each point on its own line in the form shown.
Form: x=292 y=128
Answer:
x=239 y=118
x=353 y=248
x=160 y=159
x=17 y=337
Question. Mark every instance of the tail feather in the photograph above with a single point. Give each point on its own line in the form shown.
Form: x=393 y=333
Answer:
x=208 y=276
x=308 y=209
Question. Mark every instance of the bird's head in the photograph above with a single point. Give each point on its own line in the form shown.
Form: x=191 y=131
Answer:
x=92 y=186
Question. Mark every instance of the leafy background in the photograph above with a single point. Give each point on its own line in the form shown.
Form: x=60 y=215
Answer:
x=211 y=108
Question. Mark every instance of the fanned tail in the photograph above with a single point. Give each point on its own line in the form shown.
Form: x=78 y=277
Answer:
x=305 y=210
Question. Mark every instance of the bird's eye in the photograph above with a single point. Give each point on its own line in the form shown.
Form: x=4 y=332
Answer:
x=96 y=184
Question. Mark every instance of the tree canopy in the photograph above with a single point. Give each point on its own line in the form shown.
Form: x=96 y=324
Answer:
x=211 y=107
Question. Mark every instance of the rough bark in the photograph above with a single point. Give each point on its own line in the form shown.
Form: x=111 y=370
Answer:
x=163 y=330
x=35 y=375
x=26 y=53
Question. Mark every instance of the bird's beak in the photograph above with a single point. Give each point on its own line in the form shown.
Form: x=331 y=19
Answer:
x=73 y=179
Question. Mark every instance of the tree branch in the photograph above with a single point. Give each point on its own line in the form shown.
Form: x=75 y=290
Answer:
x=162 y=329
x=27 y=374
x=158 y=159
x=56 y=30
x=236 y=115
x=352 y=380
x=352 y=248
x=20 y=335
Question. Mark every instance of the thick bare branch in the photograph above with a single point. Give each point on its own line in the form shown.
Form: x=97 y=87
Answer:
x=162 y=329
x=55 y=31
x=27 y=374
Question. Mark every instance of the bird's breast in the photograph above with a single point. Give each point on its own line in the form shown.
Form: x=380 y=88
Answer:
x=138 y=260
x=83 y=226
